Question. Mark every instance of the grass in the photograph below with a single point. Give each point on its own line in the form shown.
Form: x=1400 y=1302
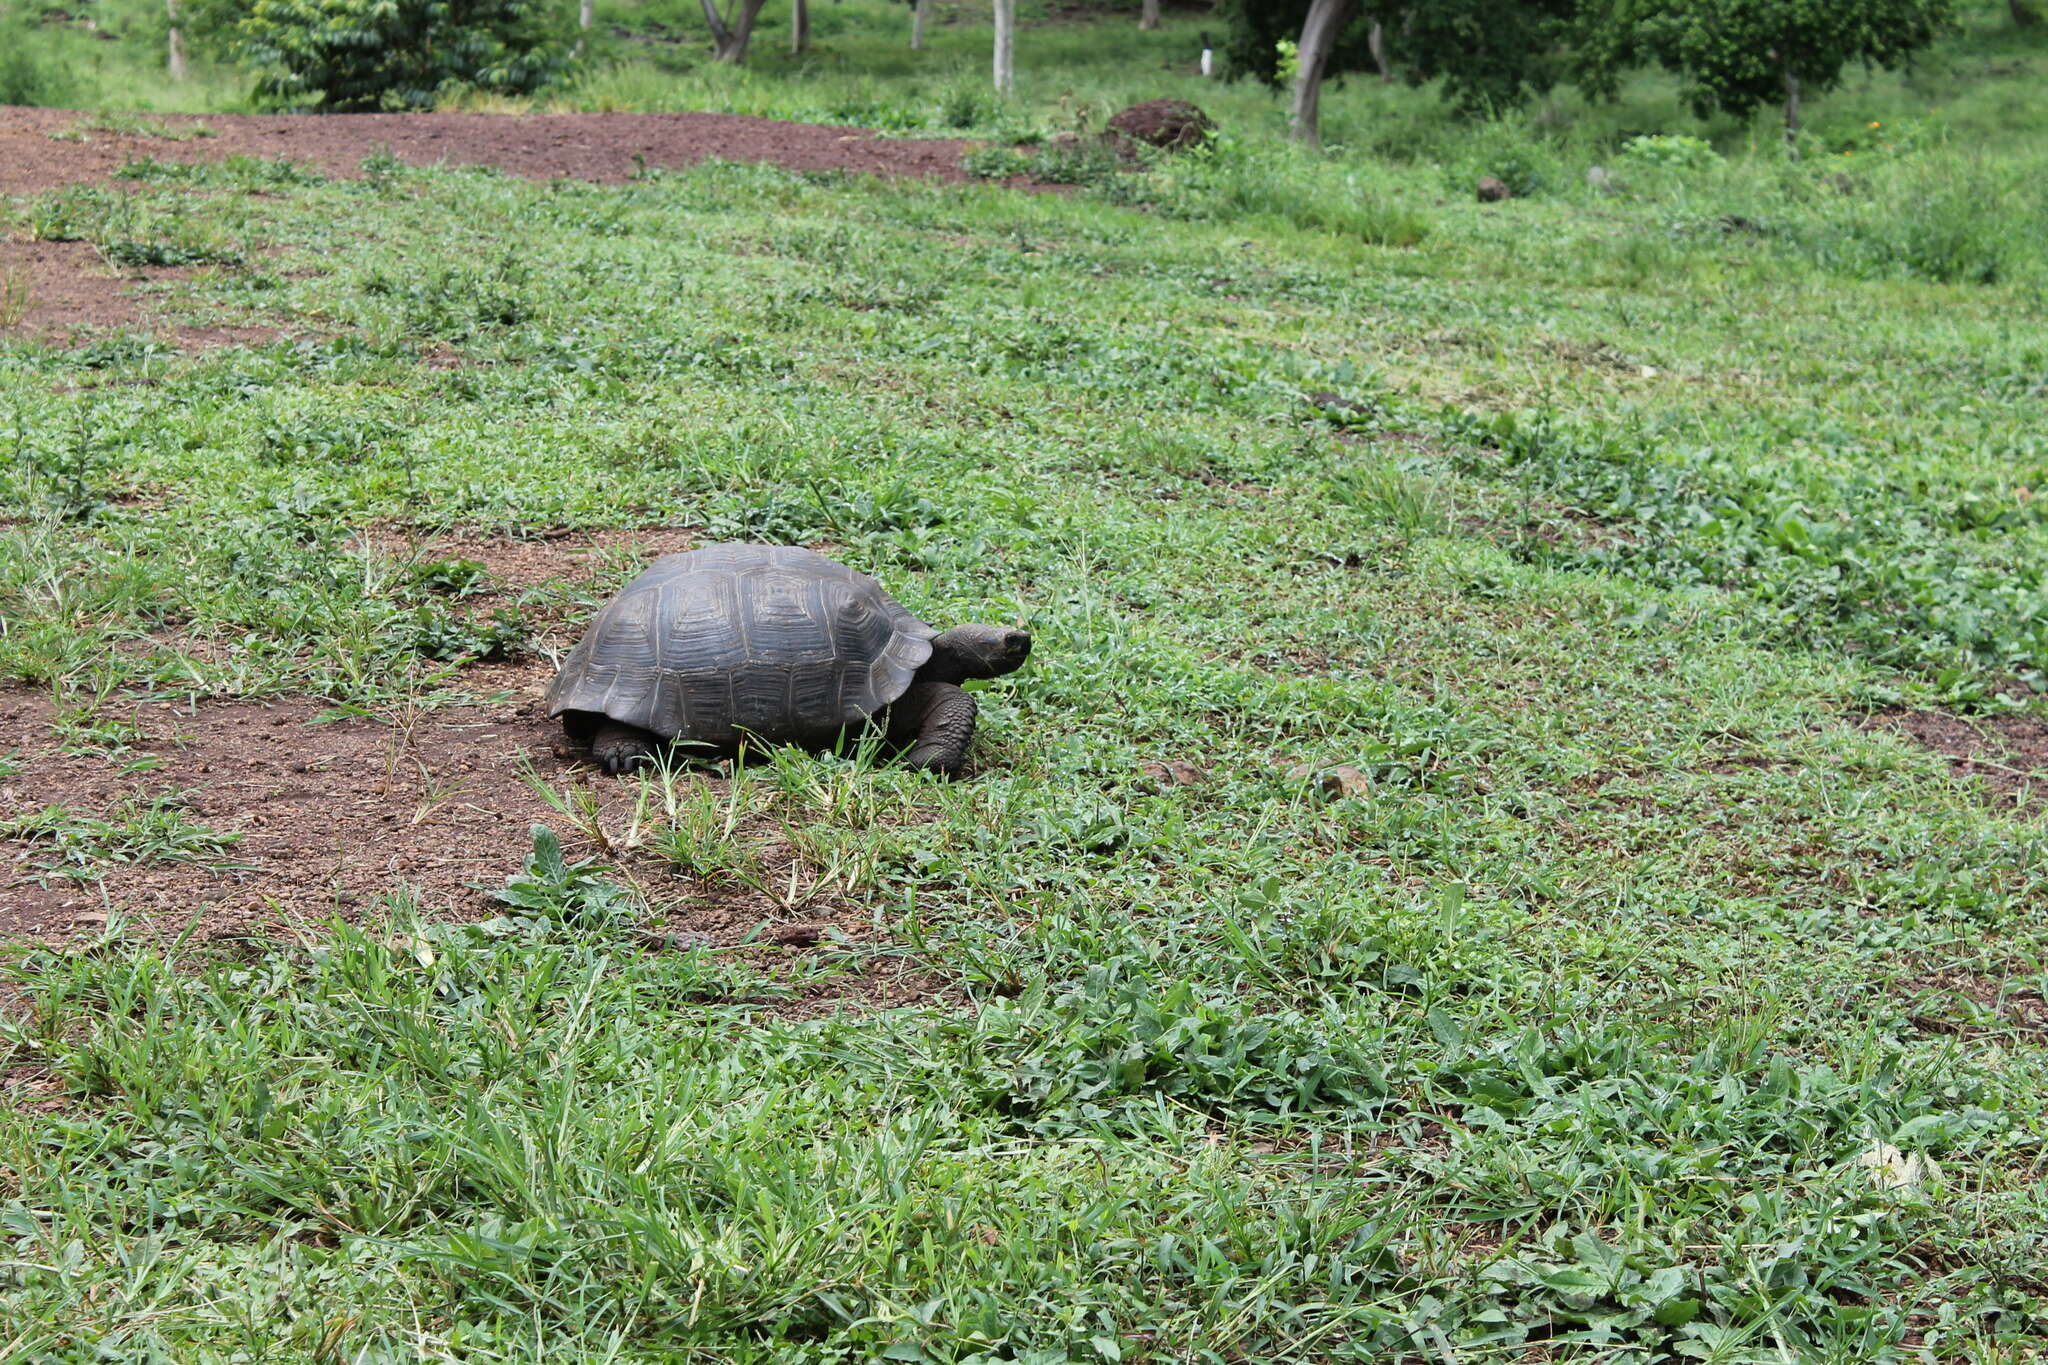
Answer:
x=1643 y=1004
x=16 y=297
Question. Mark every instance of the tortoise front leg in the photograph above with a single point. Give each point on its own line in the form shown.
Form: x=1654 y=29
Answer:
x=622 y=748
x=935 y=722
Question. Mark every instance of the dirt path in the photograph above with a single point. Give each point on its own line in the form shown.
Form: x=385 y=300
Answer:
x=597 y=147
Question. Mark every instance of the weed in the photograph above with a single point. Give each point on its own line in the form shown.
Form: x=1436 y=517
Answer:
x=76 y=846
x=16 y=298
x=449 y=577
x=434 y=632
x=576 y=894
x=381 y=170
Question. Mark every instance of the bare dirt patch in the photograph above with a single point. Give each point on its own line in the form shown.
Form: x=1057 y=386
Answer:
x=2010 y=753
x=607 y=148
x=332 y=812
x=536 y=558
x=1970 y=1003
x=70 y=293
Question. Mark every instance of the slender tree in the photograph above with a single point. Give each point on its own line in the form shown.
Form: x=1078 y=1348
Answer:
x=799 y=25
x=1326 y=20
x=1006 y=38
x=1376 y=43
x=732 y=30
x=174 y=63
x=917 y=11
x=586 y=14
x=1490 y=53
x=1148 y=14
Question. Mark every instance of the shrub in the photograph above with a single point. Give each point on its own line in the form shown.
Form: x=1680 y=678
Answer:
x=396 y=54
x=29 y=74
x=1671 y=152
x=1506 y=150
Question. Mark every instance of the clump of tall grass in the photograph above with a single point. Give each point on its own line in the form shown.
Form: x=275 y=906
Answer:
x=1918 y=210
x=1526 y=162
x=1939 y=217
x=1265 y=187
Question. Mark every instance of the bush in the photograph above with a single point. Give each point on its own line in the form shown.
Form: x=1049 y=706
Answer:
x=396 y=54
x=29 y=74
x=1504 y=149
x=1672 y=152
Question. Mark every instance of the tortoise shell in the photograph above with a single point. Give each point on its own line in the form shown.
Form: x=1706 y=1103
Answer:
x=732 y=641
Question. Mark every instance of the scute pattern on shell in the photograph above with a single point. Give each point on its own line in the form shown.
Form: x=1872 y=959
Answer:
x=736 y=640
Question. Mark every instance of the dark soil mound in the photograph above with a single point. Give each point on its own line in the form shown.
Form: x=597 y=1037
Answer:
x=1163 y=123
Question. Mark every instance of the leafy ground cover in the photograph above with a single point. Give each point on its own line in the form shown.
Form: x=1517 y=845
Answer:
x=1655 y=999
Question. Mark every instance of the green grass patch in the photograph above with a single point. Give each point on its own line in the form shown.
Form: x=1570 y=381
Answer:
x=1630 y=1001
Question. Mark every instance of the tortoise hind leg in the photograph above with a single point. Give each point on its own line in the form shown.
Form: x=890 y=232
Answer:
x=935 y=722
x=622 y=748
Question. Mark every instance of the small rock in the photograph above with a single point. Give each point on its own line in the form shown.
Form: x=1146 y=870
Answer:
x=1170 y=124
x=796 y=935
x=1174 y=773
x=1493 y=190
x=1336 y=782
x=1598 y=178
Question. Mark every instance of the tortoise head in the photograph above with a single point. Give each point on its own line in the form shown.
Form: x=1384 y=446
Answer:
x=965 y=653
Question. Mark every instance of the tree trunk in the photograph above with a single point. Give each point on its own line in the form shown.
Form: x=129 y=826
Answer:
x=1377 y=41
x=917 y=25
x=729 y=41
x=800 y=25
x=2024 y=15
x=584 y=17
x=175 y=62
x=1006 y=38
x=1791 y=114
x=1318 y=35
x=1148 y=17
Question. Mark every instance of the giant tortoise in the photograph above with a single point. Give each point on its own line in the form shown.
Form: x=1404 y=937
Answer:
x=771 y=644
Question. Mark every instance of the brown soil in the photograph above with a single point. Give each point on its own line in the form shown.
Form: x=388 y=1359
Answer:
x=69 y=293
x=1969 y=1003
x=329 y=813
x=72 y=293
x=599 y=147
x=2010 y=753
x=1163 y=123
x=334 y=813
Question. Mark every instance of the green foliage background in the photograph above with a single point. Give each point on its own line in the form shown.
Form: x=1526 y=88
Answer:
x=343 y=55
